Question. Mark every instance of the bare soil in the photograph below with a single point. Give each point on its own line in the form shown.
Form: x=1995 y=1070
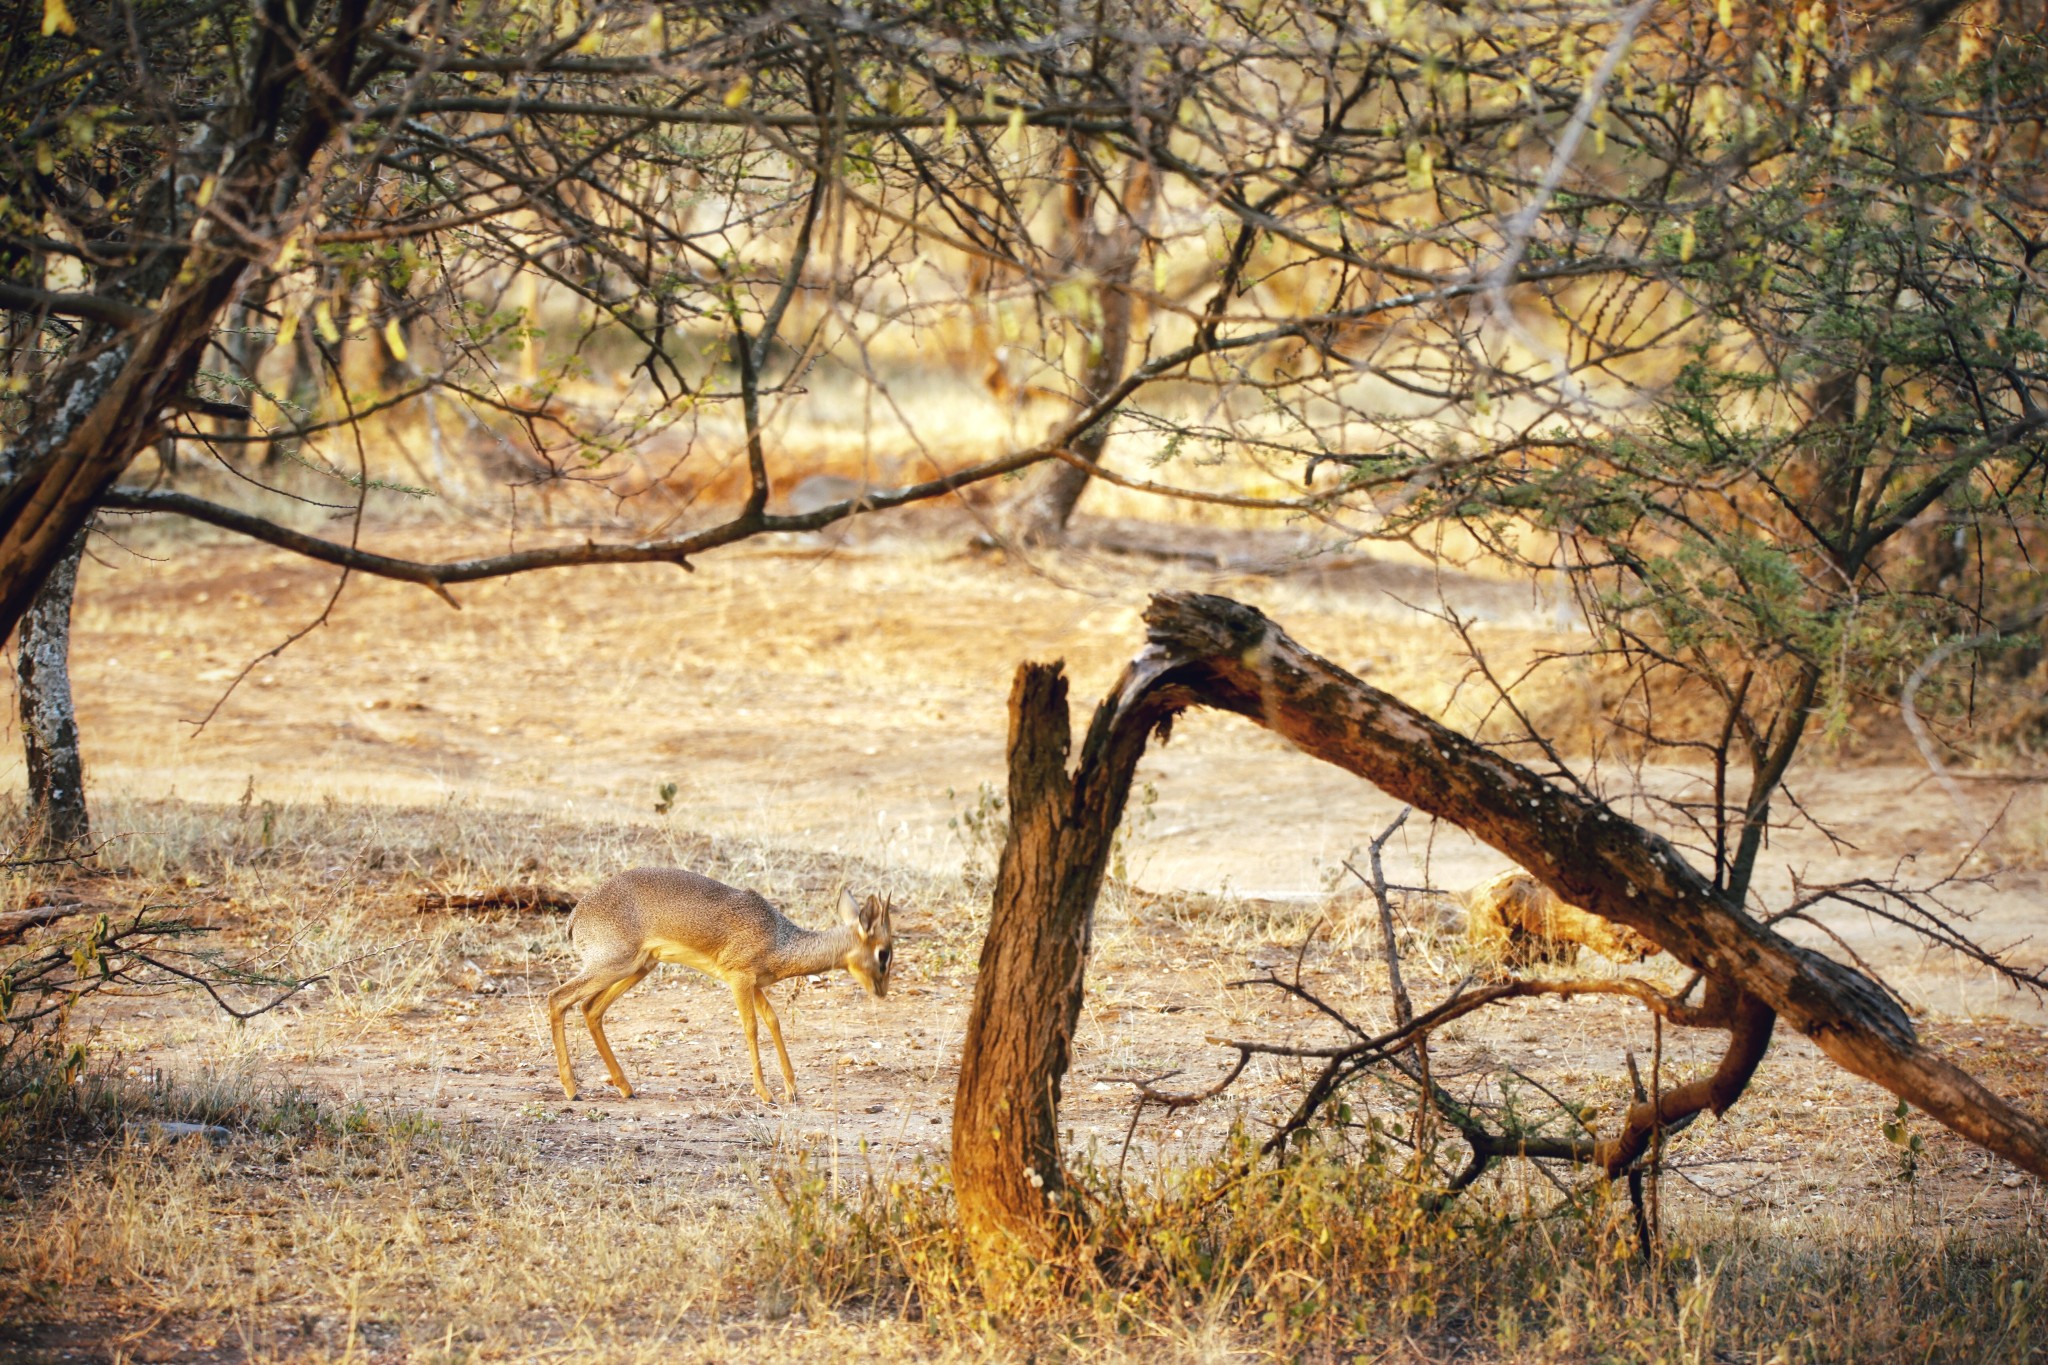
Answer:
x=829 y=711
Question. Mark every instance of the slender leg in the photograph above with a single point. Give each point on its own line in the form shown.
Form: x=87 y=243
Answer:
x=577 y=989
x=743 y=995
x=593 y=1015
x=610 y=994
x=775 y=1032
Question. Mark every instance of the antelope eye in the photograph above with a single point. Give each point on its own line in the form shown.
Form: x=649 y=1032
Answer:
x=882 y=959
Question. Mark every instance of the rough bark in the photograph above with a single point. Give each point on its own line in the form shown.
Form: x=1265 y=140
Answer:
x=1006 y=1157
x=1214 y=652
x=49 y=724
x=1237 y=660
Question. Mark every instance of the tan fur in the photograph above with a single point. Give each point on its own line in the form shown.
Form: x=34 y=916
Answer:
x=664 y=914
x=1518 y=920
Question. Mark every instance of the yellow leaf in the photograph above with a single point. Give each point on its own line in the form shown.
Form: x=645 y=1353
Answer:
x=394 y=341
x=204 y=194
x=1726 y=14
x=288 y=330
x=46 y=162
x=57 y=18
x=1688 y=240
x=951 y=131
x=1421 y=167
x=323 y=318
x=1160 y=273
x=737 y=95
x=590 y=42
x=1016 y=128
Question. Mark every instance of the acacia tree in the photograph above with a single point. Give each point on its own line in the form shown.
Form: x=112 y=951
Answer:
x=1314 y=196
x=1726 y=304
x=734 y=196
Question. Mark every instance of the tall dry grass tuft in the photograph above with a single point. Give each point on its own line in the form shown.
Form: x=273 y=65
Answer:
x=1339 y=1258
x=336 y=1235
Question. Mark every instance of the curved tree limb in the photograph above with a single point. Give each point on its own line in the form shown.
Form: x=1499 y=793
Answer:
x=20 y=298
x=665 y=550
x=1210 y=651
x=1232 y=657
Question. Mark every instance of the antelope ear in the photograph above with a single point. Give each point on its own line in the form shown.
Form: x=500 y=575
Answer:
x=849 y=912
x=873 y=913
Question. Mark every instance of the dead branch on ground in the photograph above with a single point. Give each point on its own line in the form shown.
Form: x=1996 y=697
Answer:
x=514 y=898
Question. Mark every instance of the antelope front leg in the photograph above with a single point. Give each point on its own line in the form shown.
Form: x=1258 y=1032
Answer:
x=775 y=1033
x=743 y=995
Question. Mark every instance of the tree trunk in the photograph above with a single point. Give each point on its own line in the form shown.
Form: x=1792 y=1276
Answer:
x=1214 y=652
x=1006 y=1155
x=1112 y=257
x=49 y=726
x=111 y=397
x=1047 y=509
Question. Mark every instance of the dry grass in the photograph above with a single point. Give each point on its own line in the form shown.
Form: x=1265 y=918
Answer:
x=1338 y=1254
x=404 y=1181
x=336 y=1225
x=325 y=1236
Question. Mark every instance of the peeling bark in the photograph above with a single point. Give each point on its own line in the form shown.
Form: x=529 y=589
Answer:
x=1211 y=651
x=49 y=725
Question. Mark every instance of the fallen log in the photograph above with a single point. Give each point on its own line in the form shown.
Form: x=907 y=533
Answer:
x=15 y=923
x=1210 y=651
x=514 y=898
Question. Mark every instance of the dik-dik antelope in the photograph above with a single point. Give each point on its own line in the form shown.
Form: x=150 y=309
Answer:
x=662 y=914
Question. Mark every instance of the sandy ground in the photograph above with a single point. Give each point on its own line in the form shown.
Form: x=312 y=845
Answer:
x=851 y=699
x=848 y=703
